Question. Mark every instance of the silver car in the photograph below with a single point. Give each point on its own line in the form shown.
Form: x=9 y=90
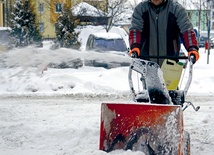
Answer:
x=106 y=42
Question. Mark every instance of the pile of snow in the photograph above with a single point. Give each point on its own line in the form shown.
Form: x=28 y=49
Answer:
x=107 y=35
x=26 y=71
x=85 y=9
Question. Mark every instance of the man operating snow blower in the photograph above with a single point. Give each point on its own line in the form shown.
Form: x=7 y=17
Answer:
x=156 y=128
x=156 y=28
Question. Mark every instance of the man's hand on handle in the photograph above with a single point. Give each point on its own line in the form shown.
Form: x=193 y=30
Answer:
x=195 y=55
x=135 y=52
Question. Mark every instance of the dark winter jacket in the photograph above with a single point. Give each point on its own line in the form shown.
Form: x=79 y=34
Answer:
x=156 y=30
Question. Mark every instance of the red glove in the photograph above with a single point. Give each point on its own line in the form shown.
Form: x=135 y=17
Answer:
x=135 y=52
x=195 y=54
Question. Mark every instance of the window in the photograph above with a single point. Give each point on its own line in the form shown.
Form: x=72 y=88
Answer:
x=41 y=7
x=41 y=27
x=58 y=7
x=208 y=14
x=56 y=27
x=197 y=13
x=189 y=15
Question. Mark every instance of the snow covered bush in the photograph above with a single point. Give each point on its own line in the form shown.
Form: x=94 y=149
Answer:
x=65 y=34
x=24 y=27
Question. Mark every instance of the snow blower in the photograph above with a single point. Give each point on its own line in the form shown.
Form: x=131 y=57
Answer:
x=153 y=123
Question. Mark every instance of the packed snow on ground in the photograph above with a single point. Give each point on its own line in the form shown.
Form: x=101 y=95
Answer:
x=57 y=111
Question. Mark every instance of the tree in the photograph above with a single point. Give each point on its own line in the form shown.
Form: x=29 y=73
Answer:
x=114 y=10
x=65 y=34
x=111 y=10
x=24 y=27
x=132 y=4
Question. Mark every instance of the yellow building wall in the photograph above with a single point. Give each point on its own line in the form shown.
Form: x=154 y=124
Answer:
x=1 y=14
x=44 y=17
x=49 y=16
x=53 y=14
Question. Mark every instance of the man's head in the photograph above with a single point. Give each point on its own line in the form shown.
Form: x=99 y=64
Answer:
x=157 y=2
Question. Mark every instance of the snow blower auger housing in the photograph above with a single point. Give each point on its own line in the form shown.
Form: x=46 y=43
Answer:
x=153 y=123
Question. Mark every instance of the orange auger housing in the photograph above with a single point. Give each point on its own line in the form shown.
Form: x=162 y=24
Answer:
x=151 y=128
x=153 y=123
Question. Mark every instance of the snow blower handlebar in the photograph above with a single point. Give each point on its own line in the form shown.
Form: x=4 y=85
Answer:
x=190 y=75
x=134 y=55
x=191 y=59
x=137 y=66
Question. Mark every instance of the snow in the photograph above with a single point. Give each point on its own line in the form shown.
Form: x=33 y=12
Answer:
x=107 y=35
x=57 y=111
x=85 y=9
x=4 y=28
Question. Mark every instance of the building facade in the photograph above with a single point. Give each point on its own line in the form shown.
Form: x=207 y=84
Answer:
x=201 y=12
x=195 y=18
x=47 y=12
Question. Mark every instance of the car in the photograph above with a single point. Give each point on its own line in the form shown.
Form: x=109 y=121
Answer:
x=106 y=42
x=202 y=41
x=110 y=46
x=5 y=39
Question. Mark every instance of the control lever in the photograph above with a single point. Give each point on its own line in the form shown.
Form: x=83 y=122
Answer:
x=191 y=104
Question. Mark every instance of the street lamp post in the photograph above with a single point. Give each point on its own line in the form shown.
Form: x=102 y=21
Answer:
x=208 y=52
x=208 y=29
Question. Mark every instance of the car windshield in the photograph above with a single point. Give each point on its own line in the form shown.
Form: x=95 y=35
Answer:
x=109 y=44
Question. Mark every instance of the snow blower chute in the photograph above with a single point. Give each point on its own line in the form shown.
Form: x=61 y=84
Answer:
x=153 y=123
